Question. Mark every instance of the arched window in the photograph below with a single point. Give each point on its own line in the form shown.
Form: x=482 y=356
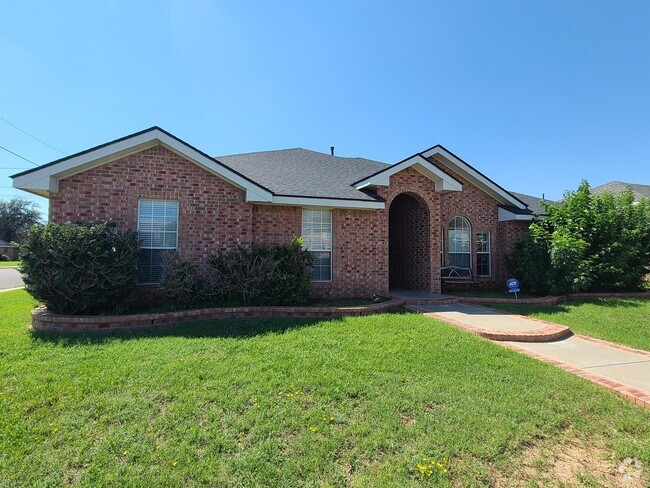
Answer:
x=460 y=244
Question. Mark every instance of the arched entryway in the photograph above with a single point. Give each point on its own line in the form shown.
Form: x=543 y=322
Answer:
x=409 y=239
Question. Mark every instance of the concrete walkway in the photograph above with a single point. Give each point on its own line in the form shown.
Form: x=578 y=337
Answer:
x=493 y=324
x=619 y=368
x=10 y=278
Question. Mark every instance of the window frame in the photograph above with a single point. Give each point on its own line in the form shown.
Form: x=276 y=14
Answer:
x=469 y=245
x=331 y=240
x=487 y=253
x=165 y=248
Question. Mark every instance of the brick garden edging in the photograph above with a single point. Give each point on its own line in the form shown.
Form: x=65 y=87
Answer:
x=553 y=300
x=43 y=320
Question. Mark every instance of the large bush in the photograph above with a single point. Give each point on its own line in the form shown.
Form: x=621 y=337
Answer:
x=80 y=268
x=586 y=243
x=266 y=275
x=185 y=286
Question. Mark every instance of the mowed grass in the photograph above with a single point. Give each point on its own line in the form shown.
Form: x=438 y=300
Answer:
x=621 y=320
x=287 y=402
x=9 y=264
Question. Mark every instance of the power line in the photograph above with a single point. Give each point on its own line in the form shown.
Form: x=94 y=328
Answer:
x=21 y=157
x=33 y=137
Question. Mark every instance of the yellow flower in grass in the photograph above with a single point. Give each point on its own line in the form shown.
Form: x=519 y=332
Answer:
x=124 y=453
x=313 y=428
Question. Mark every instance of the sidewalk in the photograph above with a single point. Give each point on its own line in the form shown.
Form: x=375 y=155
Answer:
x=619 y=368
x=10 y=278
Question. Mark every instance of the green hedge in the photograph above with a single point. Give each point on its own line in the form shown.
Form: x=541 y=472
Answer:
x=80 y=268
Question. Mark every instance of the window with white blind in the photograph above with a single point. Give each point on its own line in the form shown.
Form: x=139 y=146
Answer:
x=317 y=238
x=158 y=231
x=483 y=254
x=459 y=242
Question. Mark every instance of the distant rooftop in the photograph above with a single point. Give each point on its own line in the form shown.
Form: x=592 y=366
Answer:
x=616 y=187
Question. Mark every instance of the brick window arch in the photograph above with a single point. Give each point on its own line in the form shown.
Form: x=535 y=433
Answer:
x=459 y=241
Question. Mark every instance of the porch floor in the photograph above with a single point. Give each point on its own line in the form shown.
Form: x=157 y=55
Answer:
x=420 y=295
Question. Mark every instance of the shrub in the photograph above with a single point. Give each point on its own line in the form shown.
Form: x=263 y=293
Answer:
x=586 y=243
x=4 y=257
x=183 y=284
x=266 y=275
x=74 y=268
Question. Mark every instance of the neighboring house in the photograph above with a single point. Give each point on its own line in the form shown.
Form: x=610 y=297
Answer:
x=616 y=187
x=371 y=226
x=8 y=249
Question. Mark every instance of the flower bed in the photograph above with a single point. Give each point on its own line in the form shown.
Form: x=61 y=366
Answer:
x=46 y=321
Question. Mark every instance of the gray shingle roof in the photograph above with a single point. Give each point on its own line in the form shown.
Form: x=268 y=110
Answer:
x=301 y=172
x=532 y=202
x=616 y=187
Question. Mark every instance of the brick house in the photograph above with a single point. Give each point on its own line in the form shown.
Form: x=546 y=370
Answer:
x=371 y=226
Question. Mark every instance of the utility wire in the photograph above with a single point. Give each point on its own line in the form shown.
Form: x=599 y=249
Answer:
x=33 y=137
x=21 y=157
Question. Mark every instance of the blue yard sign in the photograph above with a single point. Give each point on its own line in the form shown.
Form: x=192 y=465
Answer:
x=513 y=286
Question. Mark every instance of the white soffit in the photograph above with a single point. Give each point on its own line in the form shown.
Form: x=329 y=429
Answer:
x=459 y=166
x=507 y=215
x=443 y=182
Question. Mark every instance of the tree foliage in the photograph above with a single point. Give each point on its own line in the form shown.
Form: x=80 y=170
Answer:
x=16 y=217
x=80 y=268
x=586 y=242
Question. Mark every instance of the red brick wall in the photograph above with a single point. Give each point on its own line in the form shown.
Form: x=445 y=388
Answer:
x=213 y=216
x=481 y=210
x=510 y=233
x=276 y=225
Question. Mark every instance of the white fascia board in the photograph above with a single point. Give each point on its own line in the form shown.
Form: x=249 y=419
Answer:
x=327 y=202
x=46 y=179
x=443 y=181
x=507 y=215
x=470 y=173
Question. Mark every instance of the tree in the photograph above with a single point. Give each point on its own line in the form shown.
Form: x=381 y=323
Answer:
x=586 y=242
x=16 y=217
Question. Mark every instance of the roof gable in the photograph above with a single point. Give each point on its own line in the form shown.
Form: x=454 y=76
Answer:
x=457 y=165
x=44 y=179
x=443 y=182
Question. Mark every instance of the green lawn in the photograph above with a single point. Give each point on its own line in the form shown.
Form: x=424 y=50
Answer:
x=625 y=321
x=292 y=402
x=9 y=264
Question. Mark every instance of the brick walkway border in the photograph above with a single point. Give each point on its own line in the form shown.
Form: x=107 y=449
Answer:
x=634 y=395
x=546 y=334
x=43 y=320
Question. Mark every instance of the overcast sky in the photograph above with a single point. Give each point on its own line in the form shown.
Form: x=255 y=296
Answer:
x=538 y=95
